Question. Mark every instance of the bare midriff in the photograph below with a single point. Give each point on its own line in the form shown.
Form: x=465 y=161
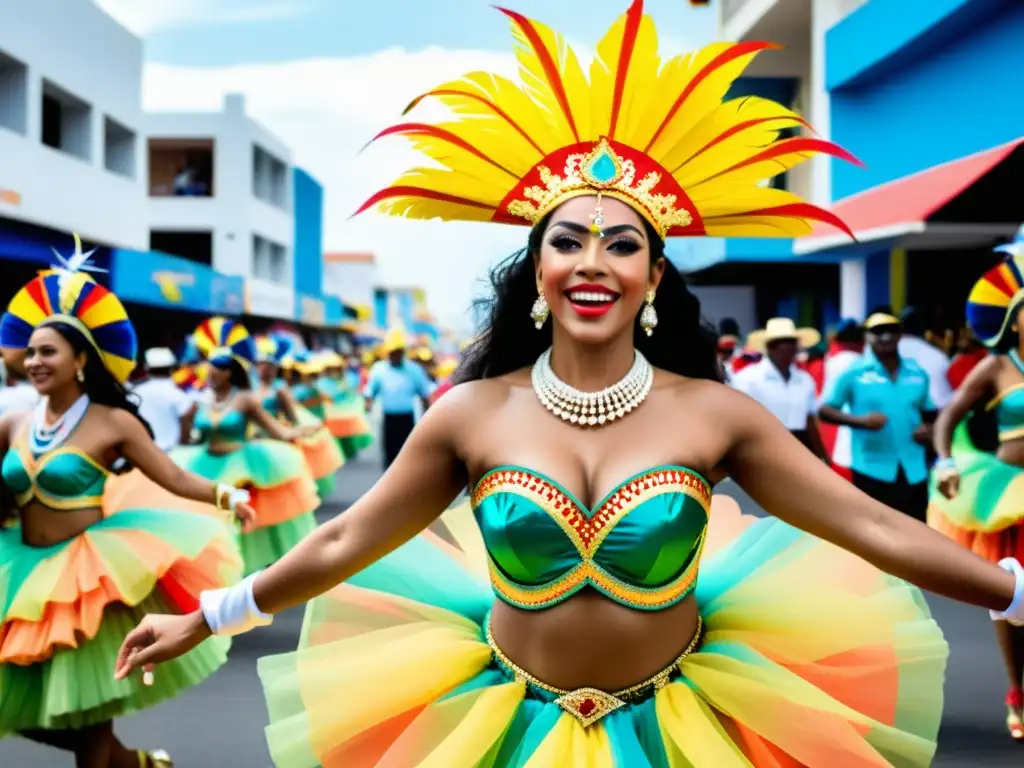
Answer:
x=42 y=526
x=223 y=447
x=591 y=641
x=1012 y=452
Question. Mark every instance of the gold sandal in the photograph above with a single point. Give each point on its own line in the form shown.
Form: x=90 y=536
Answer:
x=157 y=758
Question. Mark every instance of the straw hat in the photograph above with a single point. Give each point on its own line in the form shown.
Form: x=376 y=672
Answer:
x=780 y=328
x=881 y=320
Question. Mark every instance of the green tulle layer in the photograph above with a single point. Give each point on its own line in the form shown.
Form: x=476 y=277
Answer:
x=351 y=446
x=265 y=546
x=75 y=688
x=258 y=463
x=325 y=486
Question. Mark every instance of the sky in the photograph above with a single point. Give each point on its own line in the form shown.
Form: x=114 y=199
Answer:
x=326 y=75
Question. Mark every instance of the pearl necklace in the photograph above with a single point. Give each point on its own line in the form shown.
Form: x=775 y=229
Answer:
x=590 y=409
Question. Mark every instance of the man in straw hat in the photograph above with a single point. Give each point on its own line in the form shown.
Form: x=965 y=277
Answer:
x=890 y=410
x=779 y=385
x=397 y=383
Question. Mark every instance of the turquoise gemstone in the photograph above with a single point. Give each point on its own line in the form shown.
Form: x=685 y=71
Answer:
x=603 y=168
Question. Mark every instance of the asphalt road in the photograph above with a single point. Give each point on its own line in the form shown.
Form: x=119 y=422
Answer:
x=220 y=723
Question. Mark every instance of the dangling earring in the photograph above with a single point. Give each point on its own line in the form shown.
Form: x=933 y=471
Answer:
x=540 y=311
x=80 y=375
x=649 y=315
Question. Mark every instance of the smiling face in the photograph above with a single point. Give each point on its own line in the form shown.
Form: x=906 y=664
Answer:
x=51 y=361
x=595 y=283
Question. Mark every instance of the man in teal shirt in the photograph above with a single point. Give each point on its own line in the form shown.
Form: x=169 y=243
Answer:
x=890 y=413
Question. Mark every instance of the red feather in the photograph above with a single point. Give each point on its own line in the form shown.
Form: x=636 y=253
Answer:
x=483 y=100
x=425 y=129
x=426 y=194
x=633 y=18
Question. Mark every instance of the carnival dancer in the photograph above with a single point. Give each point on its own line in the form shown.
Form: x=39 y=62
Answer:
x=72 y=580
x=591 y=426
x=275 y=472
x=976 y=496
x=400 y=385
x=343 y=408
x=317 y=444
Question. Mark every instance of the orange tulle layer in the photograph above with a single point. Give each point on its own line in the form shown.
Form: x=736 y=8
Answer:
x=283 y=502
x=62 y=601
x=347 y=426
x=993 y=545
x=134 y=489
x=322 y=455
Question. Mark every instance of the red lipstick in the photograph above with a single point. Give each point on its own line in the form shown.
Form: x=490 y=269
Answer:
x=591 y=300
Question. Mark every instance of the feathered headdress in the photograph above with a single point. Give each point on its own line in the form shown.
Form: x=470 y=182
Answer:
x=221 y=339
x=68 y=294
x=994 y=300
x=654 y=134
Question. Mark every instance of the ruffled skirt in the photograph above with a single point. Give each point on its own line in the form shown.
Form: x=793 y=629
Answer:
x=283 y=493
x=66 y=608
x=346 y=419
x=986 y=515
x=323 y=454
x=811 y=657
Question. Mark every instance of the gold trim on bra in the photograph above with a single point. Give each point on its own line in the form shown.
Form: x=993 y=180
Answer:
x=588 y=531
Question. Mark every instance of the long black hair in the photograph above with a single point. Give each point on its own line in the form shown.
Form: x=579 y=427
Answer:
x=682 y=343
x=99 y=384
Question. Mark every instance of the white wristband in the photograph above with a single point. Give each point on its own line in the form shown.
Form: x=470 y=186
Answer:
x=236 y=497
x=233 y=610
x=1014 y=611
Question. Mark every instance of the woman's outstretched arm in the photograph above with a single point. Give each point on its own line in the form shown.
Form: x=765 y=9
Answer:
x=784 y=478
x=425 y=478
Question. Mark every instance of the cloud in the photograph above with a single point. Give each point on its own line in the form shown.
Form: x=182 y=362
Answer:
x=144 y=17
x=326 y=110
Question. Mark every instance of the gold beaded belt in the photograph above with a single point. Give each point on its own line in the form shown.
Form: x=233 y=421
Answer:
x=588 y=705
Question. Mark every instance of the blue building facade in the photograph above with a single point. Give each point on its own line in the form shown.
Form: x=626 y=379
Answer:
x=914 y=87
x=307 y=257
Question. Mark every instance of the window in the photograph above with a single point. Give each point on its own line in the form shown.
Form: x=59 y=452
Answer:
x=269 y=178
x=269 y=260
x=118 y=148
x=67 y=122
x=13 y=94
x=181 y=167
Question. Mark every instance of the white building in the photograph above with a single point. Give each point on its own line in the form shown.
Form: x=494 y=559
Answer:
x=799 y=26
x=352 y=276
x=220 y=192
x=71 y=120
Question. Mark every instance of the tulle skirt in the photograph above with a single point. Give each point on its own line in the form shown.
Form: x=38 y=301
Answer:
x=345 y=417
x=811 y=657
x=987 y=513
x=323 y=454
x=282 y=487
x=66 y=608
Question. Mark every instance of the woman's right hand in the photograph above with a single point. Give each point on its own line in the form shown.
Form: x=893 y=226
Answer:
x=159 y=638
x=949 y=484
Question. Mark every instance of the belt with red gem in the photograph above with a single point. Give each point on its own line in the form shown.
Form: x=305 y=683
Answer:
x=588 y=705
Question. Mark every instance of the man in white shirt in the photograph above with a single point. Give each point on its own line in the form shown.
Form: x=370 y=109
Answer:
x=779 y=385
x=847 y=347
x=167 y=409
x=18 y=394
x=934 y=361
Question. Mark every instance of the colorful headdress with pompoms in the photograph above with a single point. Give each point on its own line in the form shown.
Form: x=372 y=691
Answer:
x=68 y=294
x=221 y=339
x=191 y=378
x=994 y=299
x=654 y=134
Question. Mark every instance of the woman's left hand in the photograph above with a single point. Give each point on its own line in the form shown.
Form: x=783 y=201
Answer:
x=246 y=516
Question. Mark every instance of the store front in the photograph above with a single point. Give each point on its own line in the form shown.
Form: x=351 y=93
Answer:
x=167 y=296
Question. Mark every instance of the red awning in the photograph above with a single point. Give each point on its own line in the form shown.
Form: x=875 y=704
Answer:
x=902 y=206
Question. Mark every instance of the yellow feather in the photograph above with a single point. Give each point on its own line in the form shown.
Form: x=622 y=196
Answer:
x=704 y=187
x=737 y=199
x=422 y=208
x=458 y=159
x=758 y=226
x=673 y=80
x=641 y=80
x=537 y=85
x=511 y=99
x=451 y=183
x=687 y=160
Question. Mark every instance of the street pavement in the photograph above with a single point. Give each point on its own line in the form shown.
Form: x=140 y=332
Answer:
x=220 y=723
